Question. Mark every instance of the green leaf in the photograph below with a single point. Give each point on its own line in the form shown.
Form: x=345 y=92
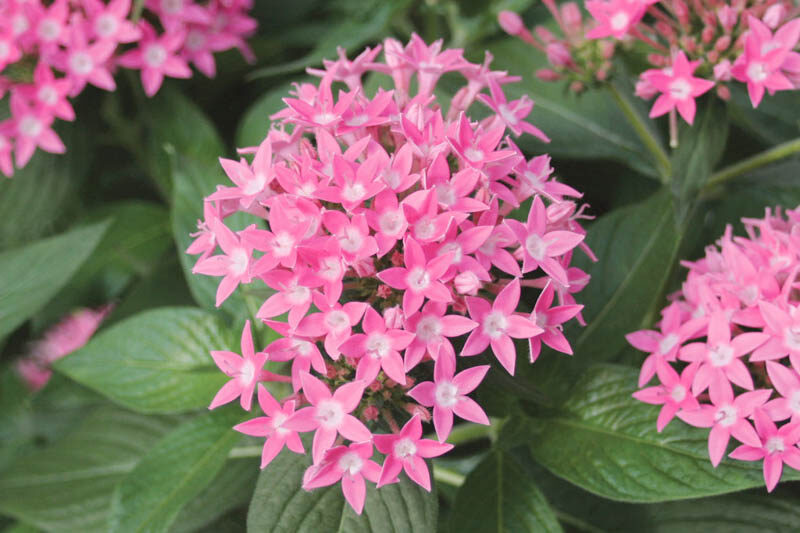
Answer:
x=256 y=123
x=606 y=442
x=155 y=362
x=499 y=496
x=68 y=486
x=173 y=472
x=774 y=121
x=281 y=505
x=589 y=125
x=31 y=275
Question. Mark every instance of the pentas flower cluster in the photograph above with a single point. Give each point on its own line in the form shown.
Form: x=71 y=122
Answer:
x=50 y=51
x=693 y=46
x=381 y=224
x=727 y=352
x=71 y=333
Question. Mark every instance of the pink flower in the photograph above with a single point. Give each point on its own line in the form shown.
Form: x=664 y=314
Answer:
x=674 y=393
x=85 y=63
x=350 y=465
x=329 y=414
x=784 y=330
x=109 y=21
x=678 y=88
x=252 y=182
x=431 y=329
x=33 y=129
x=420 y=277
x=48 y=93
x=777 y=447
x=234 y=264
x=334 y=321
x=727 y=416
x=787 y=382
x=615 y=17
x=447 y=394
x=156 y=56
x=294 y=294
x=378 y=348
x=271 y=427
x=512 y=113
x=550 y=319
x=498 y=324
x=407 y=451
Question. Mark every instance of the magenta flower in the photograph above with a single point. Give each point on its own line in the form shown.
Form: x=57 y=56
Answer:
x=540 y=246
x=674 y=393
x=498 y=324
x=294 y=293
x=156 y=56
x=784 y=330
x=334 y=321
x=245 y=370
x=431 y=329
x=329 y=414
x=271 y=427
x=778 y=446
x=447 y=394
x=378 y=348
x=85 y=63
x=615 y=17
x=301 y=351
x=787 y=382
x=407 y=451
x=234 y=264
x=350 y=465
x=109 y=21
x=512 y=113
x=49 y=93
x=32 y=128
x=550 y=319
x=420 y=277
x=727 y=416
x=678 y=88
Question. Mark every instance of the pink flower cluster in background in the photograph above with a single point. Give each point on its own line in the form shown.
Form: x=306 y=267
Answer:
x=727 y=355
x=71 y=333
x=692 y=45
x=381 y=224
x=50 y=51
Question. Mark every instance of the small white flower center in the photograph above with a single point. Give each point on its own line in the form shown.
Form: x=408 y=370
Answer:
x=775 y=445
x=329 y=413
x=20 y=24
x=172 y=7
x=619 y=21
x=792 y=338
x=540 y=319
x=81 y=63
x=155 y=55
x=391 y=178
x=668 y=343
x=678 y=393
x=5 y=49
x=405 y=448
x=721 y=355
x=446 y=394
x=391 y=222
x=337 y=320
x=30 y=126
x=298 y=294
x=255 y=185
x=680 y=89
x=452 y=246
x=749 y=295
x=726 y=415
x=794 y=402
x=353 y=192
x=106 y=25
x=351 y=240
x=424 y=229
x=49 y=30
x=490 y=246
x=358 y=120
x=239 y=260
x=351 y=463
x=277 y=422
x=473 y=154
x=757 y=71
x=429 y=328
x=418 y=280
x=282 y=244
x=47 y=95
x=324 y=119
x=533 y=180
x=301 y=347
x=507 y=115
x=378 y=345
x=195 y=40
x=247 y=373
x=446 y=195
x=495 y=324
x=535 y=246
x=330 y=269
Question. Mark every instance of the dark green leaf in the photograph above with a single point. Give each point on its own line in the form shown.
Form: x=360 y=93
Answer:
x=31 y=275
x=155 y=362
x=774 y=121
x=281 y=505
x=173 y=472
x=606 y=442
x=500 y=496
x=68 y=486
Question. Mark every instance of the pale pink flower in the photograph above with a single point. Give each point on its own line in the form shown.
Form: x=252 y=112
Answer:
x=156 y=56
x=234 y=264
x=787 y=382
x=431 y=329
x=674 y=393
x=350 y=465
x=678 y=88
x=777 y=447
x=271 y=427
x=550 y=319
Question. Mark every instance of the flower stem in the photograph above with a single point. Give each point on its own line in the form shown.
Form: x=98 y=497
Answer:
x=450 y=477
x=757 y=161
x=243 y=452
x=648 y=139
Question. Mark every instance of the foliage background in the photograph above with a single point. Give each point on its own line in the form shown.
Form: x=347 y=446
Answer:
x=120 y=439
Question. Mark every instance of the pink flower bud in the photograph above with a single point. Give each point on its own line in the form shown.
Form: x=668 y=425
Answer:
x=544 y=34
x=558 y=54
x=722 y=43
x=365 y=268
x=723 y=92
x=707 y=34
x=571 y=16
x=416 y=409
x=510 y=22
x=467 y=283
x=722 y=70
x=727 y=17
x=459 y=305
x=577 y=86
x=774 y=15
x=370 y=413
x=546 y=74
x=607 y=49
x=397 y=258
x=394 y=317
x=384 y=291
x=331 y=372
x=375 y=386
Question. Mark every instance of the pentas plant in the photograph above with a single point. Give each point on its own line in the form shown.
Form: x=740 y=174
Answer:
x=727 y=353
x=71 y=333
x=692 y=46
x=50 y=51
x=381 y=224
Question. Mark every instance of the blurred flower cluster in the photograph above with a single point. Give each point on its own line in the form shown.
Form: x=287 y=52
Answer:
x=381 y=224
x=727 y=355
x=50 y=51
x=692 y=45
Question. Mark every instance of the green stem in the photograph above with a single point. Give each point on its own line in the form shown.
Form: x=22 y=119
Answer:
x=242 y=452
x=751 y=163
x=469 y=432
x=138 y=6
x=450 y=477
x=641 y=129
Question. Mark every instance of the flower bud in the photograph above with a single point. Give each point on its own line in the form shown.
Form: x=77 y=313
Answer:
x=394 y=317
x=416 y=409
x=722 y=70
x=727 y=17
x=645 y=90
x=723 y=92
x=774 y=15
x=546 y=74
x=510 y=22
x=370 y=413
x=571 y=16
x=365 y=268
x=558 y=54
x=467 y=283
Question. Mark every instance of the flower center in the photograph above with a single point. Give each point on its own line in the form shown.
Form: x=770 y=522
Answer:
x=418 y=280
x=424 y=229
x=155 y=55
x=358 y=120
x=619 y=21
x=277 y=422
x=446 y=195
x=721 y=356
x=323 y=119
x=47 y=95
x=404 y=448
x=667 y=343
x=792 y=338
x=330 y=269
x=195 y=40
x=298 y=294
x=540 y=319
x=30 y=126
x=81 y=63
x=5 y=49
x=353 y=192
x=391 y=178
x=495 y=324
x=301 y=347
x=794 y=402
x=507 y=115
x=757 y=71
x=351 y=463
x=106 y=25
x=329 y=413
x=172 y=7
x=474 y=154
x=337 y=320
x=775 y=445
x=446 y=394
x=726 y=415
x=680 y=89
x=391 y=222
x=378 y=345
x=535 y=246
x=247 y=373
x=255 y=185
x=429 y=328
x=749 y=295
x=455 y=248
x=678 y=393
x=239 y=260
x=283 y=244
x=49 y=30
x=351 y=240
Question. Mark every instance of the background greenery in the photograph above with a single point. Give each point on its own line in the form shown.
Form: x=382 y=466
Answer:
x=120 y=439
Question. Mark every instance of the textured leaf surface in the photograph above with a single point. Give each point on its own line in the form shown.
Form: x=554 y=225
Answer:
x=155 y=362
x=606 y=442
x=31 y=275
x=280 y=504
x=68 y=486
x=173 y=472
x=500 y=496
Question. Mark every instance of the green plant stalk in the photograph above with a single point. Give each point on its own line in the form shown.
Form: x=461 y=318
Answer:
x=752 y=163
x=650 y=142
x=447 y=476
